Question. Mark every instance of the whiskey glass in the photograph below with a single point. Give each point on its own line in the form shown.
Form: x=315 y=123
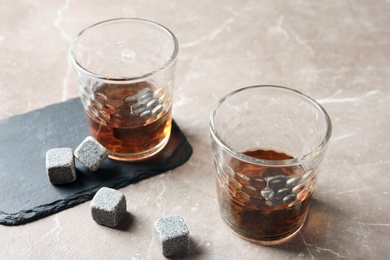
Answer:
x=268 y=143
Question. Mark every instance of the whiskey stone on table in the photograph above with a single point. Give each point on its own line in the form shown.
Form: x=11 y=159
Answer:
x=60 y=166
x=108 y=207
x=172 y=235
x=91 y=153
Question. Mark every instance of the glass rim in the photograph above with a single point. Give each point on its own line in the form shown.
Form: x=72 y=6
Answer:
x=164 y=66
x=293 y=161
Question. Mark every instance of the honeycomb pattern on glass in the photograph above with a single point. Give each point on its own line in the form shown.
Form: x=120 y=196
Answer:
x=146 y=104
x=274 y=191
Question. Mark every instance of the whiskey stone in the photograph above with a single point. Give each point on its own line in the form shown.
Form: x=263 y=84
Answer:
x=91 y=153
x=108 y=207
x=172 y=235
x=60 y=166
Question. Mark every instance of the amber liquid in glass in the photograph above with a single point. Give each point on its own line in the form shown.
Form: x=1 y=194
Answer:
x=129 y=120
x=247 y=212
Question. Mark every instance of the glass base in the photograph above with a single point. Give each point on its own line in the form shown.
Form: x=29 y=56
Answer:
x=142 y=155
x=269 y=241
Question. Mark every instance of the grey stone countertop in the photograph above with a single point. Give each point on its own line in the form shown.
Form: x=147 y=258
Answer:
x=337 y=52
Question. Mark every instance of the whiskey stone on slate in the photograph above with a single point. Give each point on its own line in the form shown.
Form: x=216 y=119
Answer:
x=108 y=207
x=60 y=167
x=172 y=235
x=91 y=153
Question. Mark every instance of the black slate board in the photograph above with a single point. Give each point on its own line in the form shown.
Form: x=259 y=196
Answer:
x=25 y=191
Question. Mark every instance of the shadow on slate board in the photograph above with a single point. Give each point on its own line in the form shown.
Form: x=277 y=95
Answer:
x=25 y=191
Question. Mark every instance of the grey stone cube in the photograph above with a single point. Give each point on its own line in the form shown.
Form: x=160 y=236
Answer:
x=91 y=153
x=172 y=235
x=108 y=207
x=60 y=166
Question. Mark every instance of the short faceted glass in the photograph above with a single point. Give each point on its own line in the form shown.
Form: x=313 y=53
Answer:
x=126 y=69
x=268 y=143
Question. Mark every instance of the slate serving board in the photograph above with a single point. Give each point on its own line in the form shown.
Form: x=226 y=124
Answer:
x=25 y=191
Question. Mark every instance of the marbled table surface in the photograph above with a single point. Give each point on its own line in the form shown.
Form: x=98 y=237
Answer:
x=338 y=52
